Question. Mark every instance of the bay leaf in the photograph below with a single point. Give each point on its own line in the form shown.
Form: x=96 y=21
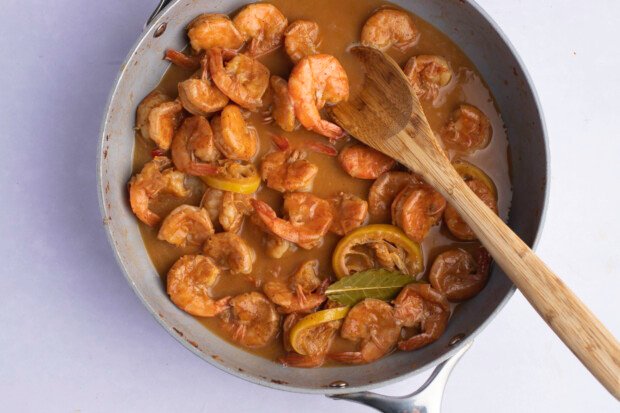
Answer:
x=381 y=284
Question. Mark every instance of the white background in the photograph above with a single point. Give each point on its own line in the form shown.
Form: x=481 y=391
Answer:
x=73 y=337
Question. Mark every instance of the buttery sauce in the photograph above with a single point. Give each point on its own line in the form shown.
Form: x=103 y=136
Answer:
x=340 y=23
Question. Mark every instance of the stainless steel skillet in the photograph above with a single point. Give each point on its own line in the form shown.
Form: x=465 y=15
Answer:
x=484 y=43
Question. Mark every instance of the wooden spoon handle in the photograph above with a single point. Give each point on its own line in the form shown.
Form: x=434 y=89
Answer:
x=565 y=313
x=571 y=320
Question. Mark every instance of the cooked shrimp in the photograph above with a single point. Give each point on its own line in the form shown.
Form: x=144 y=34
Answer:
x=372 y=324
x=243 y=79
x=315 y=81
x=283 y=110
x=194 y=138
x=264 y=24
x=234 y=208
x=309 y=219
x=288 y=171
x=212 y=201
x=349 y=213
x=150 y=101
x=390 y=27
x=226 y=208
x=230 y=252
x=233 y=137
x=363 y=162
x=416 y=209
x=302 y=293
x=198 y=95
x=301 y=39
x=214 y=30
x=427 y=74
x=422 y=307
x=157 y=117
x=453 y=220
x=458 y=275
x=188 y=284
x=276 y=247
x=467 y=130
x=156 y=177
x=384 y=190
x=252 y=320
x=315 y=341
x=185 y=226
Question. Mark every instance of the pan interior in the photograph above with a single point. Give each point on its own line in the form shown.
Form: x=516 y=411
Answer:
x=497 y=63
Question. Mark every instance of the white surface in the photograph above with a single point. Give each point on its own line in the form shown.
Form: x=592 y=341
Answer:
x=74 y=336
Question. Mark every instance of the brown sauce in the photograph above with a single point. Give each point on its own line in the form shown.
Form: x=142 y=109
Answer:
x=340 y=23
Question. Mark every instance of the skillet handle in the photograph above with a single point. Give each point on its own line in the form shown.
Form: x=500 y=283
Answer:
x=426 y=399
x=162 y=5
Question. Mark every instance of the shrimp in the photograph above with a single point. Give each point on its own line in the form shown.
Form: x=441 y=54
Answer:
x=264 y=24
x=427 y=74
x=156 y=177
x=226 y=208
x=188 y=284
x=198 y=95
x=309 y=219
x=458 y=275
x=384 y=190
x=243 y=79
x=157 y=117
x=230 y=252
x=301 y=39
x=363 y=162
x=453 y=220
x=192 y=140
x=315 y=341
x=315 y=81
x=390 y=27
x=234 y=208
x=288 y=171
x=416 y=209
x=212 y=201
x=252 y=320
x=303 y=293
x=283 y=110
x=422 y=307
x=349 y=212
x=214 y=30
x=276 y=247
x=467 y=130
x=185 y=226
x=233 y=137
x=372 y=324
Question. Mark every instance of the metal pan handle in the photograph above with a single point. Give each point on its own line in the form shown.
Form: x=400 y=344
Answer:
x=426 y=399
x=162 y=5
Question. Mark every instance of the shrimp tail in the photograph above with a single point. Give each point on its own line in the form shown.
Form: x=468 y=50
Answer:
x=277 y=226
x=281 y=142
x=415 y=342
x=298 y=360
x=320 y=147
x=202 y=169
x=182 y=60
x=348 y=357
x=330 y=130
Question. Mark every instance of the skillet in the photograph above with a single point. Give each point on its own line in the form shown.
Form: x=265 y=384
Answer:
x=482 y=41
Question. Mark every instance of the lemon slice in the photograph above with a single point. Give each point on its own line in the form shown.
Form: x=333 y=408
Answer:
x=370 y=234
x=467 y=170
x=312 y=320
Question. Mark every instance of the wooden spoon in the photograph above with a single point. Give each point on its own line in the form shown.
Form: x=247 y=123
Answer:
x=387 y=116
